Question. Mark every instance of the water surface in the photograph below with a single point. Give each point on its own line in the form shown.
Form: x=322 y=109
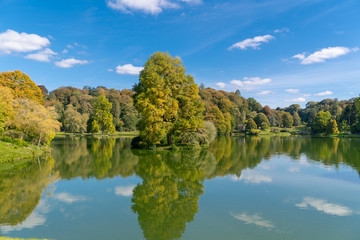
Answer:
x=239 y=188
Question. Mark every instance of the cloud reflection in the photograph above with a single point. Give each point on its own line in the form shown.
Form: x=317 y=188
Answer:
x=325 y=207
x=254 y=219
x=68 y=198
x=252 y=177
x=125 y=191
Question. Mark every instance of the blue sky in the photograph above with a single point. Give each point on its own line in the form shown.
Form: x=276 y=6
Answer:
x=278 y=51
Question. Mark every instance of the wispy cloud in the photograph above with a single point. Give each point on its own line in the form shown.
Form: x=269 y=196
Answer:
x=296 y=100
x=128 y=69
x=325 y=207
x=254 y=219
x=125 y=191
x=326 y=93
x=42 y=56
x=265 y=92
x=323 y=55
x=292 y=90
x=69 y=63
x=12 y=41
x=220 y=85
x=282 y=30
x=250 y=83
x=253 y=43
x=147 y=6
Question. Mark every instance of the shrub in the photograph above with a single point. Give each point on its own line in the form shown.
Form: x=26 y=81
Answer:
x=6 y=139
x=275 y=130
x=20 y=142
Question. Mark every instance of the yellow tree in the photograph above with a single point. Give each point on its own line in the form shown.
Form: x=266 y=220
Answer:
x=167 y=99
x=22 y=86
x=6 y=107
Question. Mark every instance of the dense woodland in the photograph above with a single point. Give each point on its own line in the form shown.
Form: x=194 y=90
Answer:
x=31 y=113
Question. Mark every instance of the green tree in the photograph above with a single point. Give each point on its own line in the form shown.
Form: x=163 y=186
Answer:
x=74 y=121
x=297 y=120
x=320 y=122
x=287 y=120
x=167 y=100
x=250 y=125
x=261 y=118
x=344 y=126
x=332 y=127
x=102 y=118
x=22 y=86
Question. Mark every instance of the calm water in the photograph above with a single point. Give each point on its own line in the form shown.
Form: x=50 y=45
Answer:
x=239 y=188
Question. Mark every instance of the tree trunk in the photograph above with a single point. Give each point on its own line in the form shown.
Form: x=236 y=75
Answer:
x=169 y=139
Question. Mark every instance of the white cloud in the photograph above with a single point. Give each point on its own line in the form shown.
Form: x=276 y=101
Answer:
x=325 y=207
x=323 y=54
x=42 y=56
x=254 y=219
x=128 y=69
x=12 y=41
x=292 y=90
x=249 y=83
x=125 y=191
x=282 y=30
x=307 y=95
x=252 y=42
x=300 y=99
x=69 y=63
x=251 y=177
x=148 y=6
x=326 y=93
x=221 y=84
x=265 y=92
x=65 y=51
x=68 y=198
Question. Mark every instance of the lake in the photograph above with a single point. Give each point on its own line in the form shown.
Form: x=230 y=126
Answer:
x=239 y=188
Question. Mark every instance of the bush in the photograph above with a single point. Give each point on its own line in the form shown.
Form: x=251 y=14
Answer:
x=284 y=130
x=6 y=139
x=265 y=126
x=20 y=142
x=254 y=132
x=275 y=130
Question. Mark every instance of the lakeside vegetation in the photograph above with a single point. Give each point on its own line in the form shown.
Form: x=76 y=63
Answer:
x=166 y=108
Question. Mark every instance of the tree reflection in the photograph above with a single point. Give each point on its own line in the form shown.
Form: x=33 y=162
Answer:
x=21 y=189
x=168 y=197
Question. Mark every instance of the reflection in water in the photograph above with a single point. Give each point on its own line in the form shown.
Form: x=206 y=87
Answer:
x=172 y=182
x=168 y=197
x=20 y=190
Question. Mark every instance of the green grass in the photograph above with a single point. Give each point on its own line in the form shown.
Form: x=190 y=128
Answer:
x=7 y=238
x=10 y=152
x=116 y=134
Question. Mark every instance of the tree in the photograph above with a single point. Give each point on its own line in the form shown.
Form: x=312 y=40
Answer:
x=332 y=127
x=22 y=86
x=272 y=121
x=344 y=126
x=102 y=118
x=250 y=125
x=287 y=120
x=267 y=111
x=167 y=100
x=33 y=122
x=254 y=105
x=297 y=120
x=237 y=92
x=261 y=118
x=6 y=107
x=320 y=122
x=75 y=122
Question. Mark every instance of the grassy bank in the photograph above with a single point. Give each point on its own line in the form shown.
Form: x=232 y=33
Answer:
x=116 y=134
x=10 y=152
x=7 y=238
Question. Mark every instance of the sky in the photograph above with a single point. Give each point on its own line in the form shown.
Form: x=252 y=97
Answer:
x=279 y=52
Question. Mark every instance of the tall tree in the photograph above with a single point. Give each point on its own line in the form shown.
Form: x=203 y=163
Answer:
x=320 y=122
x=167 y=99
x=297 y=120
x=102 y=118
x=6 y=107
x=288 y=120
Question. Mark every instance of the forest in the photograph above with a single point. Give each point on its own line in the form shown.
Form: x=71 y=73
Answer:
x=158 y=108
